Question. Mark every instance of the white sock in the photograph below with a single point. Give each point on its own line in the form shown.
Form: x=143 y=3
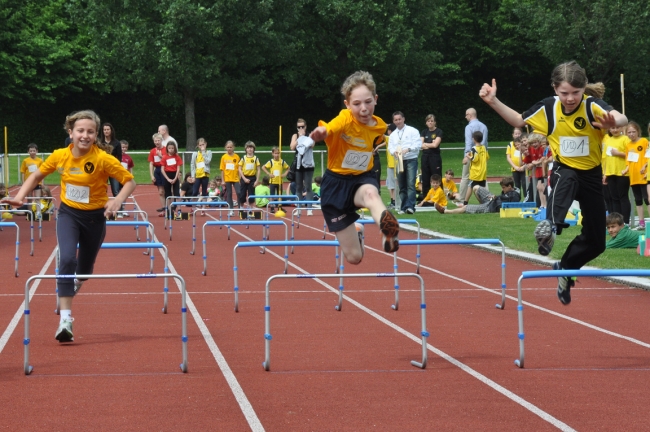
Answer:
x=66 y=314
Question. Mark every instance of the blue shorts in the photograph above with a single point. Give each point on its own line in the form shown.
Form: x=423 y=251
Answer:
x=158 y=176
x=337 y=198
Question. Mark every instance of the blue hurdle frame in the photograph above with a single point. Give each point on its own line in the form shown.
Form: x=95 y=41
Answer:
x=150 y=246
x=136 y=224
x=228 y=224
x=31 y=225
x=173 y=197
x=218 y=210
x=267 y=309
x=561 y=273
x=338 y=259
x=395 y=306
x=194 y=204
x=55 y=212
x=297 y=224
x=27 y=312
x=16 y=258
x=501 y=305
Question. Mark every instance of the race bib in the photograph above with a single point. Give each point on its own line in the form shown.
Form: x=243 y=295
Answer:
x=647 y=154
x=608 y=152
x=125 y=165
x=32 y=168
x=171 y=162
x=157 y=158
x=517 y=154
x=276 y=173
x=230 y=166
x=200 y=165
x=356 y=160
x=633 y=157
x=80 y=194
x=250 y=166
x=574 y=146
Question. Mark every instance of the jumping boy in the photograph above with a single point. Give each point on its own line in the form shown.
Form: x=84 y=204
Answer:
x=348 y=183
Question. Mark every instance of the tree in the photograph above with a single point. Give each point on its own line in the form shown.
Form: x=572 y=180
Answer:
x=43 y=52
x=184 y=49
x=605 y=37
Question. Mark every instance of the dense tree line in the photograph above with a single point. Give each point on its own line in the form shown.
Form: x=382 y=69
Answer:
x=232 y=69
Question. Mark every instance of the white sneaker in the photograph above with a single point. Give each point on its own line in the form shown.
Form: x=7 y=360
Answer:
x=77 y=285
x=310 y=213
x=231 y=213
x=64 y=332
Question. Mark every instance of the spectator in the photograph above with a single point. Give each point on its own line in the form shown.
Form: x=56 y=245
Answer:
x=489 y=203
x=431 y=157
x=622 y=237
x=636 y=151
x=405 y=143
x=473 y=125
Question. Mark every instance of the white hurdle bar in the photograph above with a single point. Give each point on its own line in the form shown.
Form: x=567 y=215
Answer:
x=364 y=222
x=193 y=204
x=14 y=225
x=26 y=341
x=31 y=225
x=149 y=246
x=561 y=273
x=219 y=210
x=267 y=309
x=228 y=224
x=427 y=242
x=338 y=260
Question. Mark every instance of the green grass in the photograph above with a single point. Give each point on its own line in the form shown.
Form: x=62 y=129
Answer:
x=517 y=233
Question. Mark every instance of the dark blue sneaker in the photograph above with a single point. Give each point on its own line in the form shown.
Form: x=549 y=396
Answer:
x=564 y=286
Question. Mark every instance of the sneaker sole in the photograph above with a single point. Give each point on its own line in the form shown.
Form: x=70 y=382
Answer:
x=389 y=227
x=542 y=234
x=65 y=336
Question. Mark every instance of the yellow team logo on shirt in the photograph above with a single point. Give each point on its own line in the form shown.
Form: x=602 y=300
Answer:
x=89 y=167
x=580 y=123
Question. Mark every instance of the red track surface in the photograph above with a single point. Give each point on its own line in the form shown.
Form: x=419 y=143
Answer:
x=330 y=370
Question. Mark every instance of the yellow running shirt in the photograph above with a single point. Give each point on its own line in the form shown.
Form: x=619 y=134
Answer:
x=228 y=167
x=350 y=143
x=276 y=168
x=249 y=165
x=614 y=165
x=29 y=166
x=83 y=179
x=574 y=141
x=478 y=163
x=437 y=196
x=636 y=159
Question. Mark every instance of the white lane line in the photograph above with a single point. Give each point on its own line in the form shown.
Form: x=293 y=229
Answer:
x=485 y=380
x=513 y=298
x=21 y=310
x=238 y=392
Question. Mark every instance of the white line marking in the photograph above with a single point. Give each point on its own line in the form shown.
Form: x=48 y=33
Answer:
x=21 y=310
x=485 y=380
x=238 y=392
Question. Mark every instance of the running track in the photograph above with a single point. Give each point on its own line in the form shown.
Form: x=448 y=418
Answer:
x=330 y=370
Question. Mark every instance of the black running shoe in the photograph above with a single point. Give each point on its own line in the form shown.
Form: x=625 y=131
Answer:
x=564 y=286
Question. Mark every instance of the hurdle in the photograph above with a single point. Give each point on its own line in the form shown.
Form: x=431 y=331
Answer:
x=169 y=199
x=460 y=241
x=295 y=212
x=228 y=224
x=267 y=309
x=149 y=246
x=31 y=225
x=194 y=204
x=268 y=243
x=561 y=273
x=219 y=210
x=55 y=212
x=15 y=225
x=149 y=225
x=26 y=341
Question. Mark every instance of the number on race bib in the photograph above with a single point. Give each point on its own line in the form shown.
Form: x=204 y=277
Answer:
x=157 y=158
x=200 y=165
x=32 y=168
x=250 y=166
x=80 y=194
x=230 y=166
x=356 y=160
x=171 y=162
x=517 y=154
x=574 y=146
x=276 y=173
x=633 y=157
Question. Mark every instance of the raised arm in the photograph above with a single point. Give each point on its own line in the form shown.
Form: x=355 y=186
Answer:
x=489 y=95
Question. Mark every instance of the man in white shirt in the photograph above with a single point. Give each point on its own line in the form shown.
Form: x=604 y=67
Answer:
x=164 y=131
x=473 y=125
x=406 y=141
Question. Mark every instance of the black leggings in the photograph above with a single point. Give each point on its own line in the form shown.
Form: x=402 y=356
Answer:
x=431 y=164
x=87 y=228
x=640 y=192
x=618 y=189
x=520 y=181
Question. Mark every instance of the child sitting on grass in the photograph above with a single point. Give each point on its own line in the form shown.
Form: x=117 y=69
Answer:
x=622 y=236
x=436 y=194
x=262 y=189
x=449 y=186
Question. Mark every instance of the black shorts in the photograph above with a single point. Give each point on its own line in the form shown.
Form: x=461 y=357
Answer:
x=38 y=187
x=158 y=175
x=478 y=182
x=337 y=198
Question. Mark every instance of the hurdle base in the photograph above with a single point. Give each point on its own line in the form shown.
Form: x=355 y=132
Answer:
x=266 y=365
x=28 y=370
x=418 y=364
x=184 y=367
x=394 y=307
x=519 y=364
x=499 y=306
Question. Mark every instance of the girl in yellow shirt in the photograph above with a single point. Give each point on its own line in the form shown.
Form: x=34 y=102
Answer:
x=230 y=173
x=84 y=167
x=637 y=149
x=614 y=165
